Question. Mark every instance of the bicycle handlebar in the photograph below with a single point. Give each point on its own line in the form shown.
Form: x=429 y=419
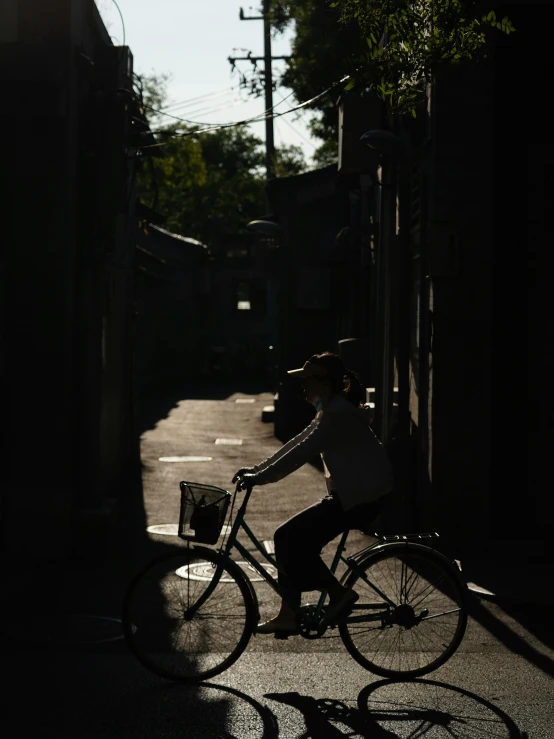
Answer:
x=242 y=485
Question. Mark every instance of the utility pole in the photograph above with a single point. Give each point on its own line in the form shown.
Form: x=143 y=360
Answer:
x=268 y=83
x=268 y=79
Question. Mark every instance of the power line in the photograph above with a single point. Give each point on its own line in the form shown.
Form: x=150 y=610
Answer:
x=206 y=111
x=215 y=107
x=296 y=131
x=193 y=101
x=216 y=93
x=211 y=99
x=260 y=117
x=198 y=108
x=122 y=21
x=225 y=106
x=217 y=104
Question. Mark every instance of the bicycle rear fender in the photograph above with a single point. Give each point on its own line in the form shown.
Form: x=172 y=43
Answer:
x=361 y=558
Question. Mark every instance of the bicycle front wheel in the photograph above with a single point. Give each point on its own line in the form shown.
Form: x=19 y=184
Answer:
x=412 y=611
x=173 y=638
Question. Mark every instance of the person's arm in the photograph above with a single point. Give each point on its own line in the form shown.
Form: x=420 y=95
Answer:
x=278 y=454
x=303 y=448
x=286 y=447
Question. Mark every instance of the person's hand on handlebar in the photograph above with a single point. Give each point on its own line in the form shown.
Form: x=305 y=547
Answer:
x=246 y=480
x=243 y=471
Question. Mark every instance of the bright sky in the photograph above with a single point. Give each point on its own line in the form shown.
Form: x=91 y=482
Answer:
x=191 y=40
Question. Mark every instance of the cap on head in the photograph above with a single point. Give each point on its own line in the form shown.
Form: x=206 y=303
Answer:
x=310 y=369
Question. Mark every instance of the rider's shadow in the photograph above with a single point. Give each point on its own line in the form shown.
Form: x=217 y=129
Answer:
x=321 y=715
x=389 y=709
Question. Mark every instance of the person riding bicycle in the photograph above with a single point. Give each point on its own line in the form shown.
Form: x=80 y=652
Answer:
x=358 y=474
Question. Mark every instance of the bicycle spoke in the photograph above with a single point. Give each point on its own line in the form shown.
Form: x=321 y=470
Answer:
x=439 y=615
x=402 y=642
x=415 y=576
x=205 y=642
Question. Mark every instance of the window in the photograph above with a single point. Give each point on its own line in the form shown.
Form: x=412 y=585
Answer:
x=251 y=296
x=243 y=296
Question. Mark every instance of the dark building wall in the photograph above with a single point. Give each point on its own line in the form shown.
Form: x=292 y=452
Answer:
x=190 y=326
x=67 y=273
x=523 y=346
x=172 y=326
x=313 y=303
x=239 y=338
x=41 y=268
x=461 y=232
x=489 y=226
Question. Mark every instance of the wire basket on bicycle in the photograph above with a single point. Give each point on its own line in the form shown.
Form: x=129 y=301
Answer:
x=203 y=511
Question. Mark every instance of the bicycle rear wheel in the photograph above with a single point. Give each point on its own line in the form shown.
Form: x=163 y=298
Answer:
x=171 y=641
x=421 y=618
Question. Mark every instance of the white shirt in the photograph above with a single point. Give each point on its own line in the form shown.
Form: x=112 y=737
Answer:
x=356 y=464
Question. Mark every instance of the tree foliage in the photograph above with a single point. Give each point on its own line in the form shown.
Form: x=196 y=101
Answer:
x=322 y=50
x=218 y=176
x=289 y=160
x=199 y=177
x=391 y=47
x=406 y=42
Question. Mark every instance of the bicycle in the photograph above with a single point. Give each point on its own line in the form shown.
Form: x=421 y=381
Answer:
x=189 y=614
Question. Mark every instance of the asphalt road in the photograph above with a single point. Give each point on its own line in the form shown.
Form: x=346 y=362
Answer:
x=79 y=680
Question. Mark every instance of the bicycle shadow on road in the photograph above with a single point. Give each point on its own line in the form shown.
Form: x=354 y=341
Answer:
x=390 y=709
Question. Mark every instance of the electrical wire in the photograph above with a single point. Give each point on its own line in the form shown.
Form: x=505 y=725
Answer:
x=296 y=131
x=210 y=107
x=206 y=111
x=221 y=99
x=254 y=119
x=122 y=21
x=191 y=101
x=200 y=107
x=216 y=126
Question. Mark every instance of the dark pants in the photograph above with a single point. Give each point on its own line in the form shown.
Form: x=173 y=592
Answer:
x=299 y=541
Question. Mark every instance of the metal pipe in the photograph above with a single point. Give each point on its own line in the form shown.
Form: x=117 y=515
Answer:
x=388 y=230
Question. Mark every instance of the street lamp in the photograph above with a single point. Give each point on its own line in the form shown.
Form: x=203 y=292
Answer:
x=268 y=230
x=385 y=142
x=264 y=227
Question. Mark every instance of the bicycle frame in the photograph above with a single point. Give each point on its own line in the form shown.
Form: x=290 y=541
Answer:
x=232 y=542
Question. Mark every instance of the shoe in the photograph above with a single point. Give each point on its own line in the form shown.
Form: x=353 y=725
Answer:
x=340 y=608
x=277 y=627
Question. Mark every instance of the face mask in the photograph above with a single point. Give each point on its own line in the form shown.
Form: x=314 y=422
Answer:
x=317 y=403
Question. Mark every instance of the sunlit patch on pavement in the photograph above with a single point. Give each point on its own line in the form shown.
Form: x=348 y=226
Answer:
x=172 y=529
x=205 y=571
x=185 y=459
